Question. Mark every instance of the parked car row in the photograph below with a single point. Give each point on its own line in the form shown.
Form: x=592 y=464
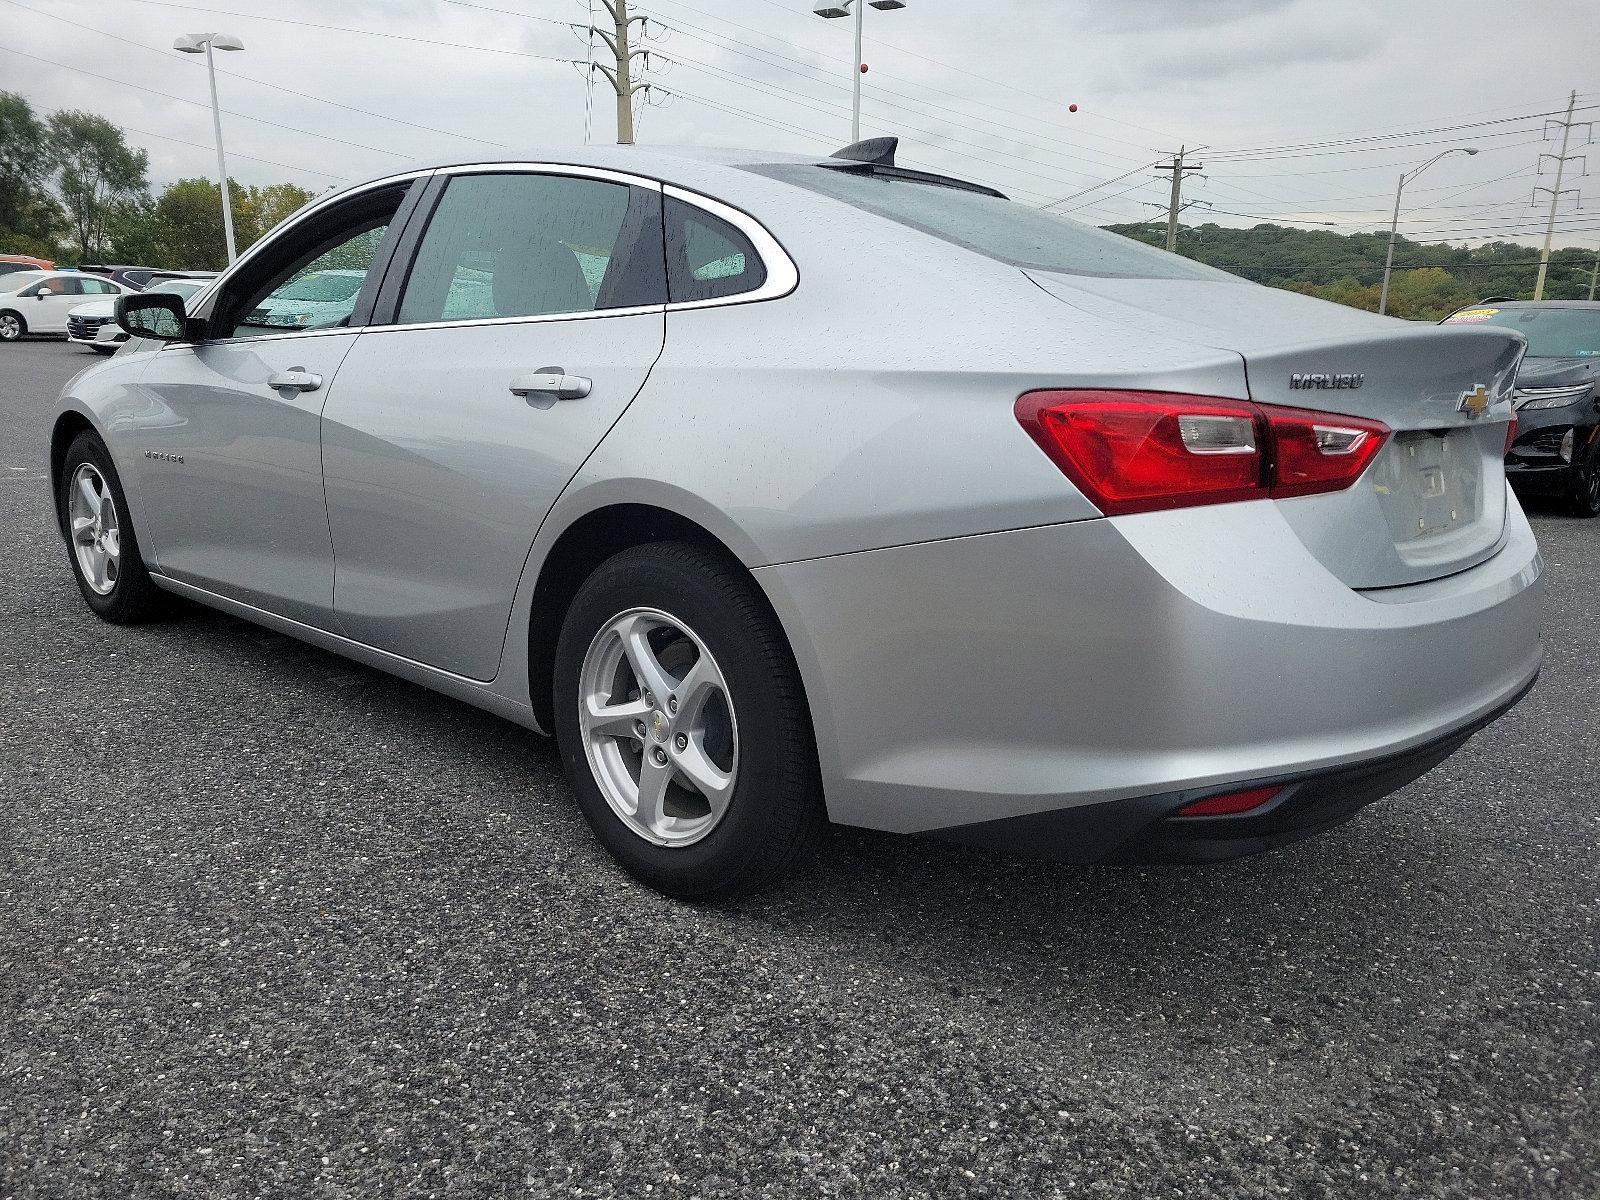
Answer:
x=79 y=303
x=95 y=325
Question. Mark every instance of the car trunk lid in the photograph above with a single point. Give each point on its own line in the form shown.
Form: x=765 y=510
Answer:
x=1434 y=500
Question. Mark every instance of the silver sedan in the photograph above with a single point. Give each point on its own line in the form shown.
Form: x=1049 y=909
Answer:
x=782 y=491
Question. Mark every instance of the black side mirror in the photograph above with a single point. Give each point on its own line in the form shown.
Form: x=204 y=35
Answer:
x=157 y=315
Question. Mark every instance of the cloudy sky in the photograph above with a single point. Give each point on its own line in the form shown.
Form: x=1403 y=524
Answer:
x=1307 y=110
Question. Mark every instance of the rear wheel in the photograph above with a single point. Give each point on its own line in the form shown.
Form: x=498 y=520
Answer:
x=101 y=544
x=682 y=725
x=12 y=326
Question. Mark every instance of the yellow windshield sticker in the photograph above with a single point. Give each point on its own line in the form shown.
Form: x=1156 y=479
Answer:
x=1468 y=315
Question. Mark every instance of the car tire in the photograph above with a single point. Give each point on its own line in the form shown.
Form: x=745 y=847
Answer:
x=1586 y=490
x=104 y=349
x=12 y=326
x=104 y=556
x=703 y=623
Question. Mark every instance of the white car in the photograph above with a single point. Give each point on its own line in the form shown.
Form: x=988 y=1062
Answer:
x=39 y=301
x=94 y=324
x=308 y=302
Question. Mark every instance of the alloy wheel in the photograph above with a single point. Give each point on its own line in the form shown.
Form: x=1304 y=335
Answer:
x=658 y=727
x=96 y=532
x=10 y=327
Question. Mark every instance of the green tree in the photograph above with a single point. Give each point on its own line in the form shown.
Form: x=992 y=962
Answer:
x=188 y=219
x=28 y=214
x=96 y=171
x=266 y=207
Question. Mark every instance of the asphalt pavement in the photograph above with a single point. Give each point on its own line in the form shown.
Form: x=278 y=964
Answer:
x=273 y=924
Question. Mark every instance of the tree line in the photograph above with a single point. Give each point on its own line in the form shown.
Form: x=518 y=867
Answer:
x=72 y=190
x=1430 y=280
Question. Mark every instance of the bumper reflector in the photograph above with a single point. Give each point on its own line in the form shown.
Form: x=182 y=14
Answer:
x=1229 y=804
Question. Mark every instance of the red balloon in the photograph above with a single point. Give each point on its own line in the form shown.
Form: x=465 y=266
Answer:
x=1072 y=108
x=863 y=68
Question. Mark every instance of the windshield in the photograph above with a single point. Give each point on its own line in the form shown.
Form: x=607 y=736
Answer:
x=178 y=287
x=322 y=286
x=18 y=280
x=1551 y=332
x=1003 y=229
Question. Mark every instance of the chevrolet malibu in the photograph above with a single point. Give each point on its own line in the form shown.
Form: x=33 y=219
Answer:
x=783 y=491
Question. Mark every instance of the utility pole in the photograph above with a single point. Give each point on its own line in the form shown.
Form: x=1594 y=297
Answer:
x=1594 y=275
x=621 y=75
x=1175 y=206
x=1561 y=161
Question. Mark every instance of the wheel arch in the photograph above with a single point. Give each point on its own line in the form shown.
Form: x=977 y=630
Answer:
x=68 y=425
x=22 y=320
x=582 y=546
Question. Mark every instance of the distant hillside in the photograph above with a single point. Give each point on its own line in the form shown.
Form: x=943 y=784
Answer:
x=1429 y=280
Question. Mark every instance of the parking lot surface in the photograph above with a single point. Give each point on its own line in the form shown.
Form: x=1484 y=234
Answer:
x=275 y=924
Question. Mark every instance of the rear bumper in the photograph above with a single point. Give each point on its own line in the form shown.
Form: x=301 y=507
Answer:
x=1145 y=829
x=1135 y=663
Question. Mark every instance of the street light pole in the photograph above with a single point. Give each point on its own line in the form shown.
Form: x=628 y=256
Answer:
x=843 y=9
x=198 y=43
x=1394 y=223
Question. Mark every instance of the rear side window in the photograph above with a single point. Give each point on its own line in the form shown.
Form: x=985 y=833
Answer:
x=527 y=245
x=1002 y=229
x=707 y=258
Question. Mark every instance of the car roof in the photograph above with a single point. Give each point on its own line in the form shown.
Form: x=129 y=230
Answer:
x=688 y=166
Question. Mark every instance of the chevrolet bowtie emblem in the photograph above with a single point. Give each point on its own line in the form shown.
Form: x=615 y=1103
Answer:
x=1476 y=402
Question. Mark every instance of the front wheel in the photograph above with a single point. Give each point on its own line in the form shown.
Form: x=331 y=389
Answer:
x=1586 y=492
x=101 y=544
x=12 y=327
x=682 y=724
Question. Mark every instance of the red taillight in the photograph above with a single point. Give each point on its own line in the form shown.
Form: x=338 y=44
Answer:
x=1511 y=433
x=1233 y=802
x=1135 y=452
x=1318 y=452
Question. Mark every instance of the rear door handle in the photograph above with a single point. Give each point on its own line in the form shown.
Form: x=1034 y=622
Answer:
x=296 y=379
x=550 y=384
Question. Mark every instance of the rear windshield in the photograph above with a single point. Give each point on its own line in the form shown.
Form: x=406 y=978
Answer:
x=18 y=280
x=1551 y=332
x=1003 y=229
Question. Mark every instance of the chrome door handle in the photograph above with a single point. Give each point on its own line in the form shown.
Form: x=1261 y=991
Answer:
x=296 y=379
x=552 y=383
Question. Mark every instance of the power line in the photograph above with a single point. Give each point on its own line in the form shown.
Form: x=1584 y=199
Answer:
x=196 y=103
x=275 y=86
x=770 y=88
x=431 y=43
x=928 y=87
x=1279 y=151
x=167 y=137
x=812 y=74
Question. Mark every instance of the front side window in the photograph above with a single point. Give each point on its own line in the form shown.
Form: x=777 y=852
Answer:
x=315 y=276
x=707 y=258
x=528 y=245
